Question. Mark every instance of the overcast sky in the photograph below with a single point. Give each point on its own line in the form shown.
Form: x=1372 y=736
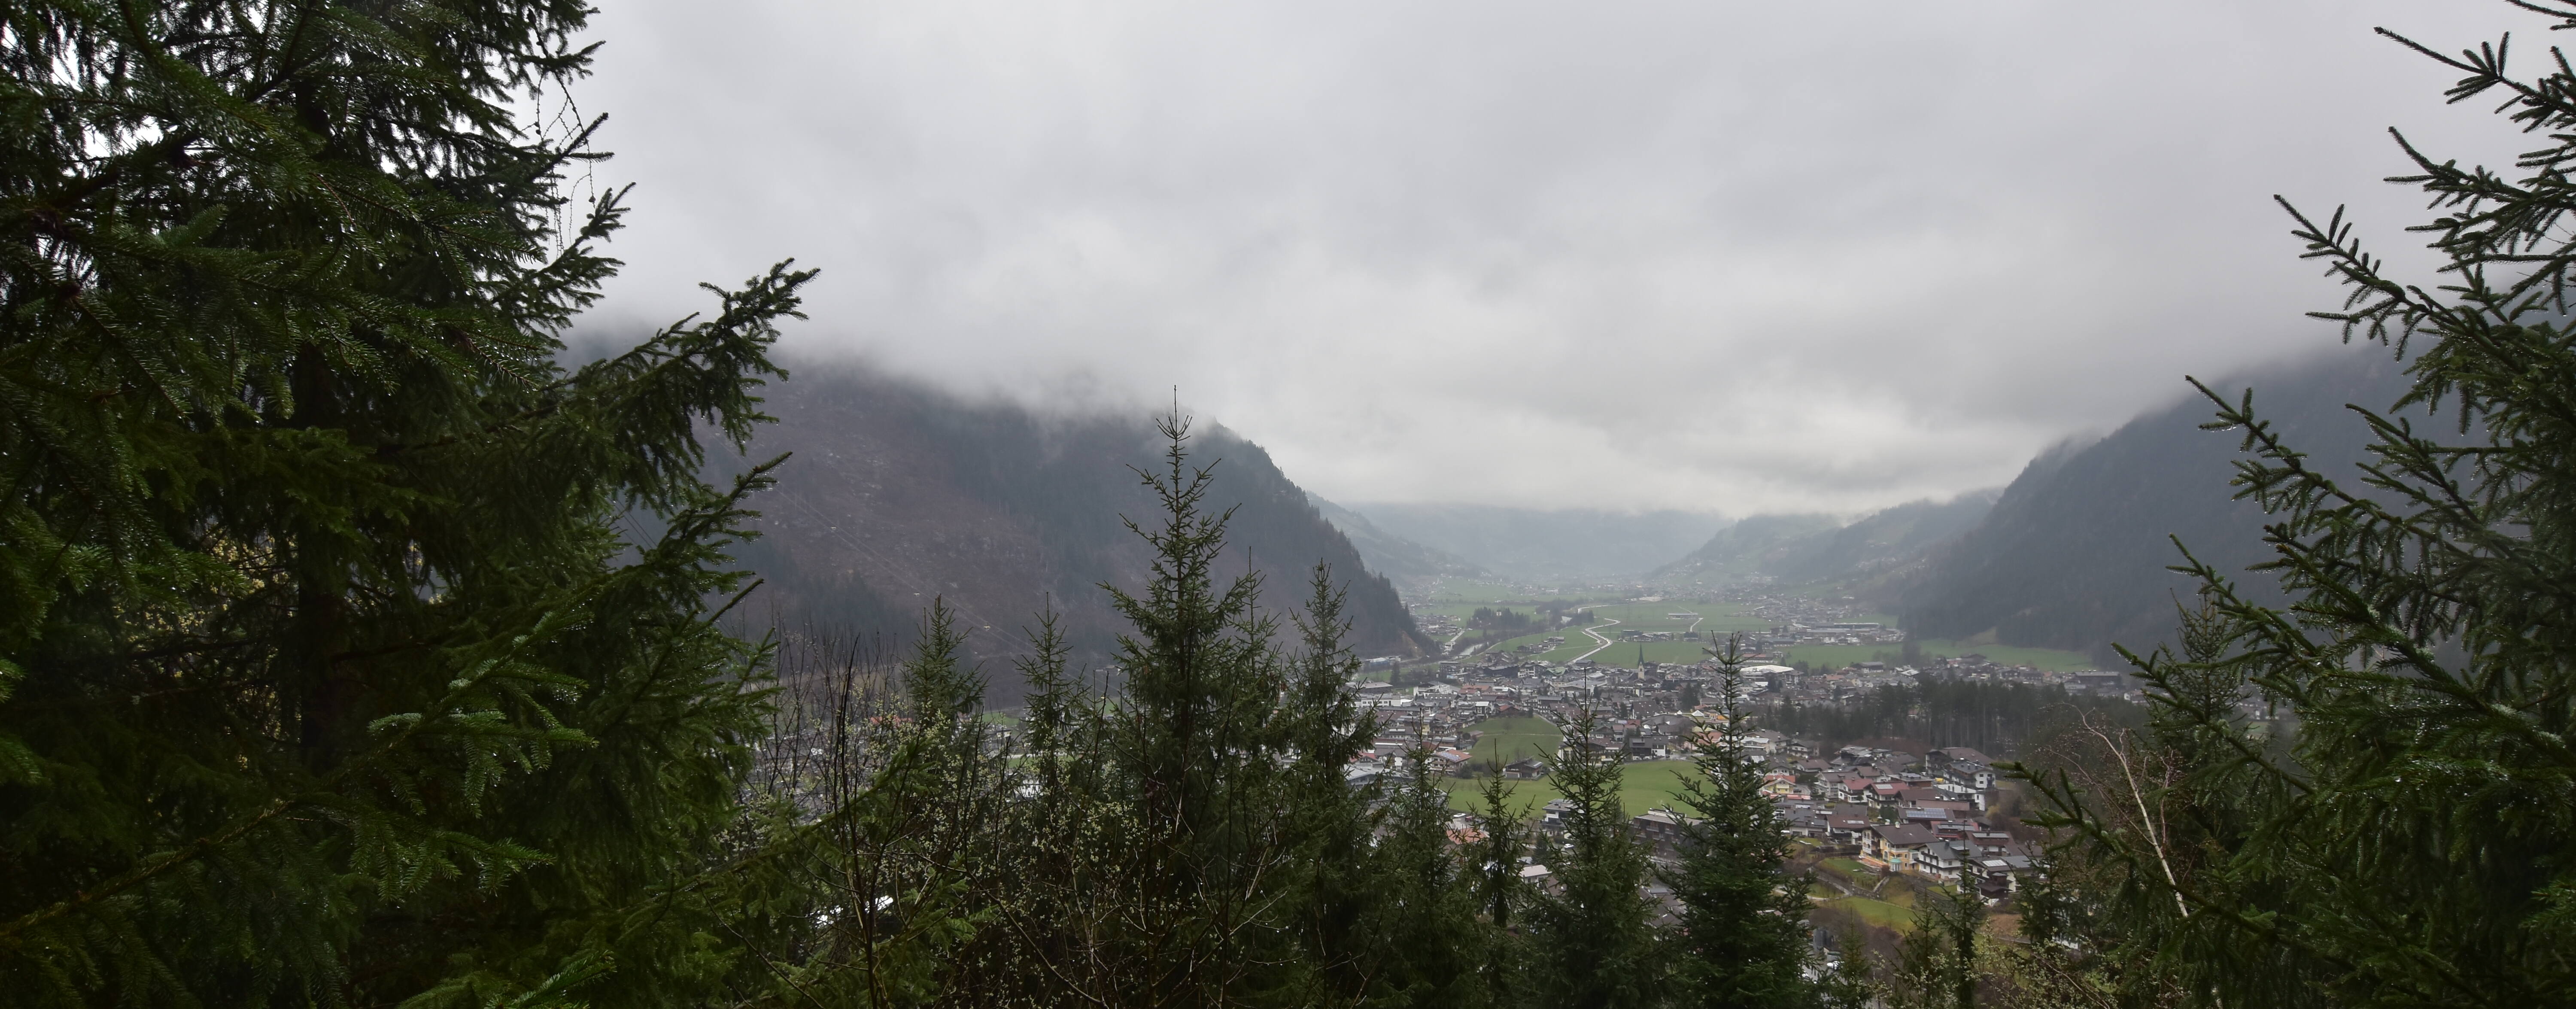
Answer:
x=1705 y=255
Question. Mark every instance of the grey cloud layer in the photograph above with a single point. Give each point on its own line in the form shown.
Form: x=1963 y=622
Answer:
x=1732 y=256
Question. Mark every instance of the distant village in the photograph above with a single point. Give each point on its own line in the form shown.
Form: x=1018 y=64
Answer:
x=1919 y=815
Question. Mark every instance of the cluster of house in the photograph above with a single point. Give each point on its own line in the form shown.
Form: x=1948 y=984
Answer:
x=1891 y=810
x=1924 y=817
x=1919 y=828
x=1975 y=668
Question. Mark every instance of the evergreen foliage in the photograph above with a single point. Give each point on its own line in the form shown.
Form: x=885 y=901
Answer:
x=2400 y=835
x=331 y=670
x=1501 y=845
x=1851 y=984
x=1742 y=939
x=1594 y=947
x=1938 y=964
x=1183 y=836
x=1985 y=716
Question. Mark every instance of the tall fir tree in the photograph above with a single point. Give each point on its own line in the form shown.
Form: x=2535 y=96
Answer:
x=2400 y=835
x=1592 y=936
x=1334 y=829
x=1201 y=753
x=1742 y=939
x=1423 y=943
x=1503 y=841
x=1939 y=961
x=330 y=669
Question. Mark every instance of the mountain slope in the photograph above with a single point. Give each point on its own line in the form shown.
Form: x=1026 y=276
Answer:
x=1806 y=548
x=2073 y=554
x=1537 y=545
x=897 y=494
x=1388 y=554
x=1885 y=540
x=1747 y=549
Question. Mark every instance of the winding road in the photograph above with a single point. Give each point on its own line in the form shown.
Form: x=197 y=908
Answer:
x=1587 y=630
x=1605 y=642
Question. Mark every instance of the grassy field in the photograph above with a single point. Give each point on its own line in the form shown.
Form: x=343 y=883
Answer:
x=1851 y=871
x=1642 y=787
x=1459 y=600
x=1519 y=738
x=1876 y=912
x=1838 y=656
x=1717 y=619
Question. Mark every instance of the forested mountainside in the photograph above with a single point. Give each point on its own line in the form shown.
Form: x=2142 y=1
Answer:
x=2073 y=554
x=1745 y=549
x=897 y=494
x=1544 y=545
x=1397 y=558
x=1804 y=548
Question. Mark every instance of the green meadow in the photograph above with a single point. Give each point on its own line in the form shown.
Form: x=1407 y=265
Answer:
x=1716 y=620
x=1642 y=786
x=1504 y=740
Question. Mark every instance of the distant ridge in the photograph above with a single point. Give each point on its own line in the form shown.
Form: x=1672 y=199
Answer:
x=1386 y=553
x=1546 y=545
x=1747 y=549
x=1807 y=548
x=897 y=494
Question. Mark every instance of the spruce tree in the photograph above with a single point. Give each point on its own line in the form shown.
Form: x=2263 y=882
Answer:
x=1499 y=891
x=1742 y=940
x=1421 y=943
x=2401 y=835
x=333 y=666
x=1499 y=851
x=1592 y=937
x=1852 y=983
x=1938 y=962
x=1204 y=760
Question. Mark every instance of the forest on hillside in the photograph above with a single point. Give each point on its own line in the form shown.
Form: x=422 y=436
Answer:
x=1997 y=719
x=896 y=494
x=2071 y=555
x=360 y=648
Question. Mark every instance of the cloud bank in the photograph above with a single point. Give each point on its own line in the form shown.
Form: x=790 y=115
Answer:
x=1731 y=257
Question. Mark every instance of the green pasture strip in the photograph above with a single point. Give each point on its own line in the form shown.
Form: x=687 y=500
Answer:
x=1643 y=786
x=1519 y=737
x=1877 y=912
x=1850 y=870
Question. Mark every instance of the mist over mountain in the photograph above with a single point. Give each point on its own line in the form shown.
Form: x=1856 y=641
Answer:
x=2073 y=554
x=1400 y=560
x=1805 y=548
x=897 y=494
x=1546 y=545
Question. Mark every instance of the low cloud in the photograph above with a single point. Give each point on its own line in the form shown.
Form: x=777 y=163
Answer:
x=1725 y=257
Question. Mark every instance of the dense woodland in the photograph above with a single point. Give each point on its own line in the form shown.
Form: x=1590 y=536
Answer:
x=1994 y=718
x=355 y=649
